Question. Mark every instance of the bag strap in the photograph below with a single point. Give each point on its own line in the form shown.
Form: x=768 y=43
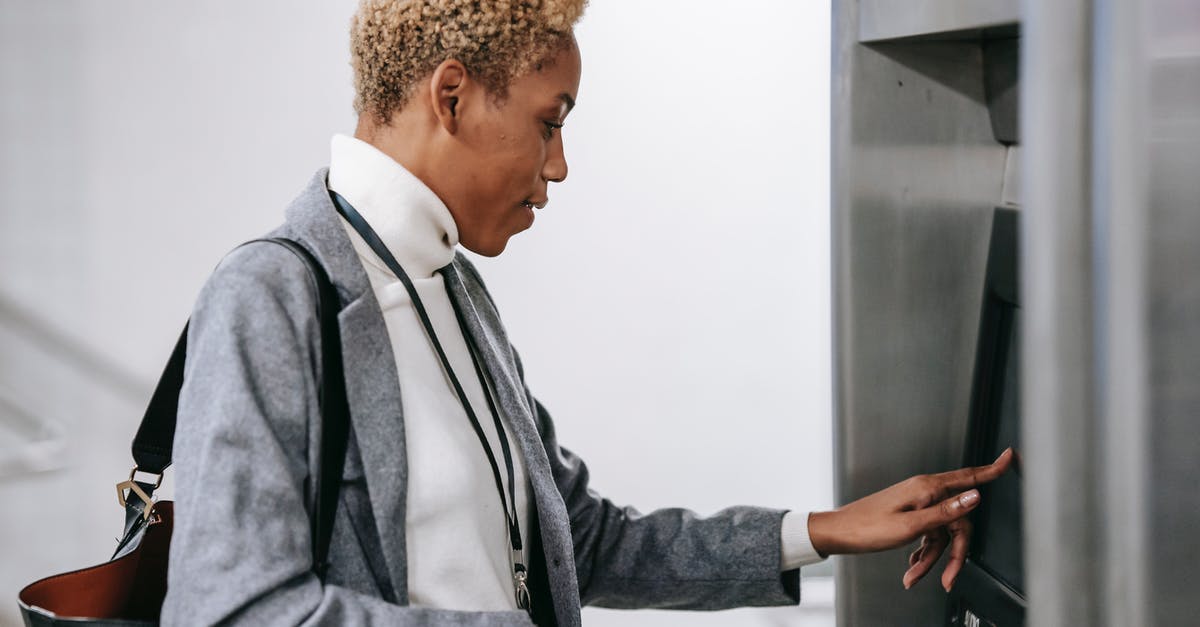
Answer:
x=153 y=442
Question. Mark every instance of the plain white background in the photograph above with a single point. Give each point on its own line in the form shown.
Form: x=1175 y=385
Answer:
x=671 y=304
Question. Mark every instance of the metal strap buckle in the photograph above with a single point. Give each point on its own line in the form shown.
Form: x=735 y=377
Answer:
x=135 y=489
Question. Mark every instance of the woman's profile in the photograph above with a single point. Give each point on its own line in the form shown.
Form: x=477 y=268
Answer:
x=458 y=504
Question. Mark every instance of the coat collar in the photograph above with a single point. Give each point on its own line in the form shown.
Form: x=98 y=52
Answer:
x=312 y=220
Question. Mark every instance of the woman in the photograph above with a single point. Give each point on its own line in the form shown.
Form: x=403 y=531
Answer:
x=458 y=505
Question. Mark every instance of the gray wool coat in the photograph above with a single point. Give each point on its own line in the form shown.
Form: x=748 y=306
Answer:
x=247 y=432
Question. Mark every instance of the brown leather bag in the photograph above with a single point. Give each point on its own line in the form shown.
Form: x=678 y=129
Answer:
x=129 y=589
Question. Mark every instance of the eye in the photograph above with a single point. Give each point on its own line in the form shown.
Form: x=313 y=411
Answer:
x=550 y=126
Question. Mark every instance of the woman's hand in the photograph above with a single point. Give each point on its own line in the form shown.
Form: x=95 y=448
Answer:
x=930 y=507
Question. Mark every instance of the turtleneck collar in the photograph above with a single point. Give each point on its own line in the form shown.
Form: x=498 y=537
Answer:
x=411 y=220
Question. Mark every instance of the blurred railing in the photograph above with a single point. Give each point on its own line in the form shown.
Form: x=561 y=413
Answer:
x=32 y=438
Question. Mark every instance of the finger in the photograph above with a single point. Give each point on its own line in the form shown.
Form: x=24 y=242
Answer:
x=931 y=545
x=973 y=476
x=960 y=540
x=916 y=555
x=929 y=556
x=945 y=512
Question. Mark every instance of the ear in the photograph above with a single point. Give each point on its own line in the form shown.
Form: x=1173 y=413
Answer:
x=446 y=89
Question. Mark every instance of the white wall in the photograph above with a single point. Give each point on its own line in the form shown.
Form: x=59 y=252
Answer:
x=683 y=263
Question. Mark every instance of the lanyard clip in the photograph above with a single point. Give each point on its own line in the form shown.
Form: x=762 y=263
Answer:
x=522 y=590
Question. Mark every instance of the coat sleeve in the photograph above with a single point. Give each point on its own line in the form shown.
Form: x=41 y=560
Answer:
x=669 y=558
x=241 y=547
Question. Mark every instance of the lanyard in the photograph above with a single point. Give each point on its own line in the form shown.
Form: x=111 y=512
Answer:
x=514 y=524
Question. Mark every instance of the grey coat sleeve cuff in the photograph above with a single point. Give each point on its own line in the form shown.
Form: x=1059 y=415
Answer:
x=727 y=560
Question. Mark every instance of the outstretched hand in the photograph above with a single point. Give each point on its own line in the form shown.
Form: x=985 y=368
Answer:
x=930 y=507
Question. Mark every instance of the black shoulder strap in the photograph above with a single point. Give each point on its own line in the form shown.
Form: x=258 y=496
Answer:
x=153 y=442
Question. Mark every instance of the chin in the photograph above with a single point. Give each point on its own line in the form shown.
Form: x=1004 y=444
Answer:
x=494 y=241
x=488 y=249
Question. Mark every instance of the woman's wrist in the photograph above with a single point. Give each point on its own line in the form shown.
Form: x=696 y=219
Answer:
x=820 y=532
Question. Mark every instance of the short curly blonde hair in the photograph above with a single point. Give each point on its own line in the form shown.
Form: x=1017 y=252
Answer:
x=394 y=44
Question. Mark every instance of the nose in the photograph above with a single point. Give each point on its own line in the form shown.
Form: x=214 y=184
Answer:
x=555 y=168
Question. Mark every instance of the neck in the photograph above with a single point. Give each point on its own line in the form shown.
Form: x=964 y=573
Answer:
x=402 y=139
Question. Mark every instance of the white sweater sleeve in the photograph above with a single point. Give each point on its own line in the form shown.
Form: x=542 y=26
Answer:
x=795 y=543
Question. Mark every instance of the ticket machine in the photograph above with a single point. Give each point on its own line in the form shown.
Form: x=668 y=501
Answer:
x=1016 y=246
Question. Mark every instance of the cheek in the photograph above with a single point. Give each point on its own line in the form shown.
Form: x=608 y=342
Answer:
x=503 y=174
x=517 y=166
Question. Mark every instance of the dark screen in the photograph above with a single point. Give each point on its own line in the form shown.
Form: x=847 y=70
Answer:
x=998 y=537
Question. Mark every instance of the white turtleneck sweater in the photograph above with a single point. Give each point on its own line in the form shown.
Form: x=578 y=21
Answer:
x=459 y=556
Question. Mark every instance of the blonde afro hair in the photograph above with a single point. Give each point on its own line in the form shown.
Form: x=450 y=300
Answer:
x=394 y=44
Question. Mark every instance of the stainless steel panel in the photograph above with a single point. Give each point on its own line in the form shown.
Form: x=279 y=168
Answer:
x=1172 y=303
x=1111 y=118
x=895 y=19
x=1058 y=416
x=916 y=173
x=1119 y=194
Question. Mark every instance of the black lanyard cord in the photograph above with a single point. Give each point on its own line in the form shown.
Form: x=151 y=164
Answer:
x=504 y=448
x=372 y=239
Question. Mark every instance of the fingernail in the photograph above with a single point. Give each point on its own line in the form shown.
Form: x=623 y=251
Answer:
x=969 y=498
x=1003 y=453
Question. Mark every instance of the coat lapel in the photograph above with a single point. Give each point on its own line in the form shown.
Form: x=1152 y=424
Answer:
x=372 y=382
x=486 y=333
x=373 y=388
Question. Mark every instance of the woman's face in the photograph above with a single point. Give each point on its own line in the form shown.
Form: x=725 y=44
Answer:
x=505 y=154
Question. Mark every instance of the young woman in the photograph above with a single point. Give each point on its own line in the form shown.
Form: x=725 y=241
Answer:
x=458 y=505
